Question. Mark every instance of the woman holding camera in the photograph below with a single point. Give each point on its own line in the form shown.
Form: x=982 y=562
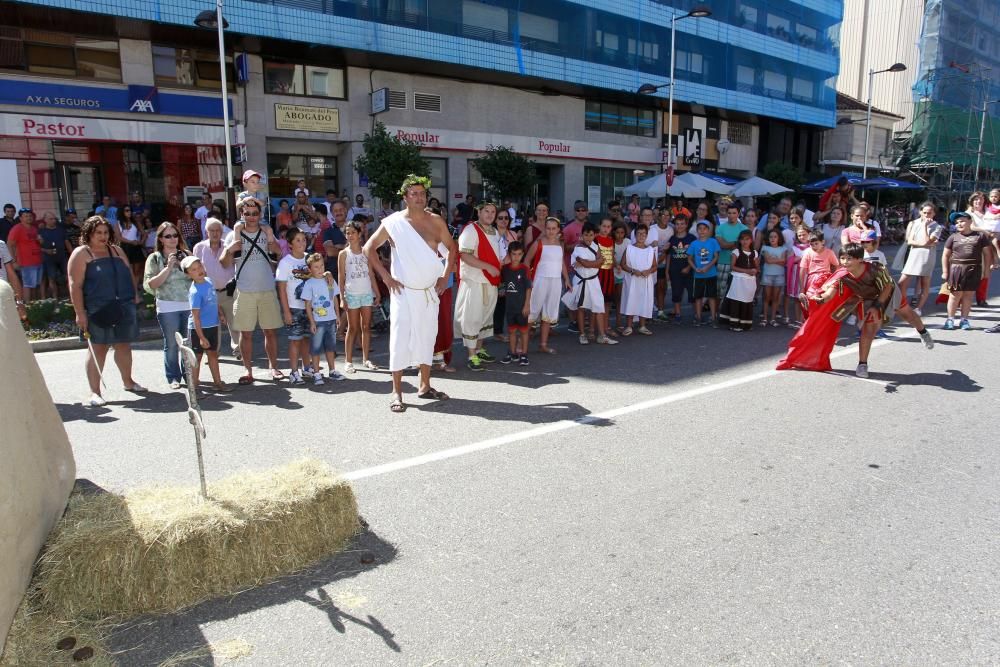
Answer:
x=164 y=279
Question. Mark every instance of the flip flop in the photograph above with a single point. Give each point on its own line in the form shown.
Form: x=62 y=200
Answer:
x=397 y=405
x=546 y=350
x=434 y=394
x=246 y=379
x=277 y=375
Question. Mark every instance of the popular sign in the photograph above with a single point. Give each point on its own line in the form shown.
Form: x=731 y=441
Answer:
x=309 y=119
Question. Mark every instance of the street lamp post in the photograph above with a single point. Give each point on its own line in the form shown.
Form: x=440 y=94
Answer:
x=647 y=88
x=898 y=67
x=979 y=153
x=215 y=21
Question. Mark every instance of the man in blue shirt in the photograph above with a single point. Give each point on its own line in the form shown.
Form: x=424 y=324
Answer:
x=107 y=210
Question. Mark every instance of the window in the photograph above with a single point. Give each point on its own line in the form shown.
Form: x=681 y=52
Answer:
x=649 y=51
x=620 y=119
x=59 y=54
x=745 y=79
x=439 y=181
x=775 y=83
x=190 y=67
x=739 y=133
x=292 y=79
x=538 y=27
x=748 y=15
x=690 y=62
x=483 y=21
x=606 y=40
x=284 y=171
x=802 y=89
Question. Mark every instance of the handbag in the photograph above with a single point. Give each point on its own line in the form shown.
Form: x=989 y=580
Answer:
x=231 y=285
x=111 y=313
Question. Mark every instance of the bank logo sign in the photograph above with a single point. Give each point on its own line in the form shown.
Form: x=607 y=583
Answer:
x=308 y=119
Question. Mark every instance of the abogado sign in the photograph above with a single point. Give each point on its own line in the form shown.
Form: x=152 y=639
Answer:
x=309 y=119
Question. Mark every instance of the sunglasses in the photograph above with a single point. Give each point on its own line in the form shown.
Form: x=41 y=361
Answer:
x=503 y=217
x=168 y=236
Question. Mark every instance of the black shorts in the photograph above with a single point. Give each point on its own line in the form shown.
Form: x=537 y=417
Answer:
x=211 y=335
x=706 y=288
x=516 y=321
x=678 y=283
x=661 y=273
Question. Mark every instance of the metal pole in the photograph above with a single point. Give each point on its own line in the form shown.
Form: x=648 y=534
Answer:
x=868 y=124
x=979 y=153
x=670 y=99
x=230 y=190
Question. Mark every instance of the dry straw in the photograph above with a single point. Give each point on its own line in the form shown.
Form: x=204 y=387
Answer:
x=160 y=550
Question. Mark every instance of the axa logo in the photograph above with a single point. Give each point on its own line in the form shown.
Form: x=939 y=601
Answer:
x=143 y=106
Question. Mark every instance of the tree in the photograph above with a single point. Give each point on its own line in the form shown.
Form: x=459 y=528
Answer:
x=783 y=174
x=506 y=175
x=387 y=161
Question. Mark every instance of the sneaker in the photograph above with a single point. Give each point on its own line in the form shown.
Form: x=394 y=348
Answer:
x=584 y=340
x=928 y=341
x=308 y=372
x=662 y=316
x=861 y=371
x=174 y=384
x=335 y=376
x=993 y=329
x=296 y=378
x=774 y=323
x=851 y=321
x=485 y=356
x=677 y=319
x=697 y=322
x=604 y=340
x=881 y=334
x=573 y=328
x=349 y=368
x=475 y=364
x=317 y=379
x=523 y=361
x=644 y=331
x=918 y=312
x=507 y=359
x=96 y=401
x=949 y=324
x=964 y=325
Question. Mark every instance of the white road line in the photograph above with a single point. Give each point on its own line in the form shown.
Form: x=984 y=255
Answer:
x=565 y=424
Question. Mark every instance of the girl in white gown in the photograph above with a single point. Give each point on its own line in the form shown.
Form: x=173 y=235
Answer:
x=639 y=267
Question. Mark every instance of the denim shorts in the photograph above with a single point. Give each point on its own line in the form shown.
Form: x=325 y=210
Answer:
x=325 y=338
x=299 y=328
x=31 y=276
x=777 y=280
x=359 y=300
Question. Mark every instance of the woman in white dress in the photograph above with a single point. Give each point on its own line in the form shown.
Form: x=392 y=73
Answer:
x=922 y=236
x=639 y=267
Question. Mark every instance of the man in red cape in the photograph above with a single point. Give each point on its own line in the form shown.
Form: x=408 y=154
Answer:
x=479 y=252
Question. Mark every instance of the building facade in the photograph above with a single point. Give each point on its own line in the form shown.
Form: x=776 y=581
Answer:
x=111 y=98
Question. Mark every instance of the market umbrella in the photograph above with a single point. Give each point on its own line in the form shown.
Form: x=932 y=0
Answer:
x=824 y=185
x=654 y=186
x=705 y=183
x=886 y=183
x=756 y=187
x=719 y=177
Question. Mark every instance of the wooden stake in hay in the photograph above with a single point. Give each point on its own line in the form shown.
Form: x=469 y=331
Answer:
x=163 y=549
x=194 y=410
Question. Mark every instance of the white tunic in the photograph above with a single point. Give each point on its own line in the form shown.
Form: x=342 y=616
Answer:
x=638 y=291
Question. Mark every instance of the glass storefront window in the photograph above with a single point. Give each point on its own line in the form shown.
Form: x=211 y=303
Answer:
x=620 y=119
x=284 y=172
x=291 y=79
x=611 y=182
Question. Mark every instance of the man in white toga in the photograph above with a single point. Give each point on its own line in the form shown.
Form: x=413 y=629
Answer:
x=416 y=278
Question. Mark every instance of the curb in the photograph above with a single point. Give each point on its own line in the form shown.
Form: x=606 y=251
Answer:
x=74 y=343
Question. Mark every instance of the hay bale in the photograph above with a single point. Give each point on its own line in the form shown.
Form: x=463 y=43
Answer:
x=162 y=549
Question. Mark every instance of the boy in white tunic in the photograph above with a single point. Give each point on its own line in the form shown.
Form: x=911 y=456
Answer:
x=586 y=293
x=416 y=278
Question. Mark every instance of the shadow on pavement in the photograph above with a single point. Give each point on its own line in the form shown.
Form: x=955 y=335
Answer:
x=545 y=413
x=152 y=640
x=70 y=412
x=951 y=380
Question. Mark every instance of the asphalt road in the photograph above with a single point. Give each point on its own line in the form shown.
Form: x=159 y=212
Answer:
x=671 y=500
